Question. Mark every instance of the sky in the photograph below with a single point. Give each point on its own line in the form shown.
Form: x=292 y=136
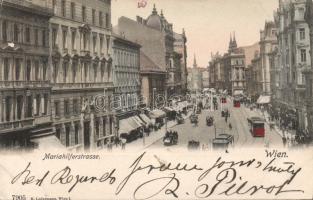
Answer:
x=207 y=23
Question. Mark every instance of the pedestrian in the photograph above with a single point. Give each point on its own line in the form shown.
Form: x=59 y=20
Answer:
x=226 y=118
x=284 y=141
x=123 y=143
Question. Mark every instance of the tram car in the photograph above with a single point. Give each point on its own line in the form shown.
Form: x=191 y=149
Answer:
x=256 y=125
x=236 y=102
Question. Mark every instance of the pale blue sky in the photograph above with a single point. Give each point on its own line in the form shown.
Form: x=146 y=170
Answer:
x=208 y=23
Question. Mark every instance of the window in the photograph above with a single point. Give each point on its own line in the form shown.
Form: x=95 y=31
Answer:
x=28 y=70
x=45 y=104
x=72 y=10
x=64 y=34
x=27 y=34
x=63 y=9
x=17 y=69
x=75 y=106
x=36 y=36
x=57 y=108
x=73 y=39
x=74 y=65
x=15 y=33
x=76 y=127
x=36 y=70
x=19 y=106
x=100 y=19
x=65 y=71
x=54 y=37
x=29 y=109
x=67 y=135
x=101 y=43
x=43 y=38
x=303 y=55
x=6 y=69
x=66 y=107
x=94 y=41
x=102 y=70
x=84 y=41
x=4 y=31
x=44 y=70
x=38 y=99
x=302 y=33
x=104 y=127
x=95 y=66
x=107 y=20
x=83 y=13
x=93 y=16
x=55 y=71
x=8 y=106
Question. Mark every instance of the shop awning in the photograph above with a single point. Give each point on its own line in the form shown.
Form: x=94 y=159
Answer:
x=48 y=142
x=139 y=120
x=263 y=99
x=125 y=126
x=145 y=118
x=157 y=114
x=238 y=92
x=135 y=123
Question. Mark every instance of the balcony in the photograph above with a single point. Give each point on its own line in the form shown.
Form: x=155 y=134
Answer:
x=24 y=84
x=15 y=125
x=92 y=85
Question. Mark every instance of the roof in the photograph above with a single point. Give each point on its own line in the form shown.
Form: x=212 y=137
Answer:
x=125 y=40
x=147 y=65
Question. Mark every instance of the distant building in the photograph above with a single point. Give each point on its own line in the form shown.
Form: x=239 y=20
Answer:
x=195 y=82
x=153 y=79
x=205 y=77
x=158 y=40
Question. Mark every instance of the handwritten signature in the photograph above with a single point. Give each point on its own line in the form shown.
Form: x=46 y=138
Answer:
x=226 y=178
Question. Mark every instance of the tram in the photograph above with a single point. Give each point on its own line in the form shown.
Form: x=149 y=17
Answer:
x=256 y=125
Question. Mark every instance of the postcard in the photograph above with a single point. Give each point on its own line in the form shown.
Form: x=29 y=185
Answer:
x=154 y=99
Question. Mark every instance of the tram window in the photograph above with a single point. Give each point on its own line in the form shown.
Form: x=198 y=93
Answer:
x=258 y=125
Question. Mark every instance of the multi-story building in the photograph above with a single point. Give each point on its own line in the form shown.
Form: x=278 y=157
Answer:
x=254 y=84
x=195 y=82
x=153 y=80
x=234 y=69
x=268 y=43
x=216 y=72
x=181 y=47
x=293 y=51
x=25 y=88
x=81 y=72
x=309 y=72
x=157 y=38
x=205 y=77
x=126 y=62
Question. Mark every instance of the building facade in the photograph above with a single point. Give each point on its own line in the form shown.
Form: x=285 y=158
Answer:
x=195 y=81
x=181 y=47
x=81 y=72
x=268 y=43
x=294 y=59
x=309 y=72
x=157 y=38
x=25 y=89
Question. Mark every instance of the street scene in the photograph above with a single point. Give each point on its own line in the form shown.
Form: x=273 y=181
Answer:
x=141 y=74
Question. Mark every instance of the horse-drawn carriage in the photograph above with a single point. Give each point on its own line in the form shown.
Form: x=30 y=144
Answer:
x=170 y=138
x=180 y=119
x=193 y=145
x=194 y=119
x=209 y=120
